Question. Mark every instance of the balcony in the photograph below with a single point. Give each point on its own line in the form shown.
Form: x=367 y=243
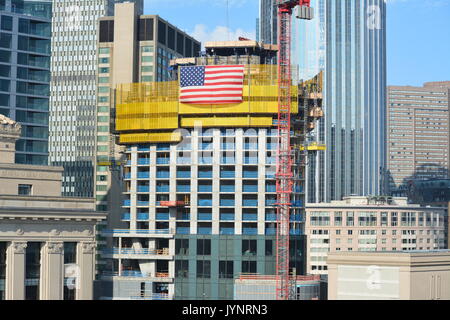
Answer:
x=183 y=230
x=205 y=174
x=228 y=146
x=143 y=203
x=184 y=174
x=163 y=147
x=250 y=160
x=271 y=231
x=203 y=216
x=250 y=174
x=145 y=189
x=142 y=216
x=251 y=146
x=162 y=189
x=204 y=230
x=204 y=188
x=126 y=203
x=163 y=174
x=135 y=251
x=143 y=175
x=126 y=216
x=227 y=231
x=205 y=202
x=249 y=202
x=227 y=174
x=163 y=161
x=249 y=231
x=143 y=148
x=184 y=160
x=228 y=160
x=205 y=160
x=164 y=216
x=143 y=161
x=227 y=188
x=271 y=217
x=227 y=202
x=271 y=188
x=184 y=188
x=127 y=176
x=249 y=216
x=227 y=216
x=250 y=188
x=144 y=232
x=271 y=202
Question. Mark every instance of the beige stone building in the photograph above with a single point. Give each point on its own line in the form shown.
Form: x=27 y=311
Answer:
x=47 y=242
x=418 y=140
x=370 y=224
x=389 y=275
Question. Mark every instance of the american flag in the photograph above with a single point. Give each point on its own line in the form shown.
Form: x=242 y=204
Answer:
x=211 y=84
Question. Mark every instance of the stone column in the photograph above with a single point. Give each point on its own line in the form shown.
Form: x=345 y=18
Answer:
x=15 y=271
x=86 y=260
x=52 y=282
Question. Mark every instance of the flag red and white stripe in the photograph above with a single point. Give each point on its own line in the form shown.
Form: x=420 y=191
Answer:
x=212 y=84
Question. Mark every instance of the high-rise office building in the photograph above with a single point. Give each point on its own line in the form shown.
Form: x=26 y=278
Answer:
x=267 y=21
x=25 y=39
x=417 y=134
x=73 y=90
x=347 y=41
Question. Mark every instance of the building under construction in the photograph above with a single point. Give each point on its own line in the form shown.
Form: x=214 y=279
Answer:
x=200 y=185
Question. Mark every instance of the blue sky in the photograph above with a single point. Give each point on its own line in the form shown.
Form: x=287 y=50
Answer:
x=418 y=46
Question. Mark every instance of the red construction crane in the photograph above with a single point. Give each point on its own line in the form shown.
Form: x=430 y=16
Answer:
x=284 y=176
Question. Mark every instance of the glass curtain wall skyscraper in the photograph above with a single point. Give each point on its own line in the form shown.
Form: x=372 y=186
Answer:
x=25 y=74
x=73 y=91
x=347 y=41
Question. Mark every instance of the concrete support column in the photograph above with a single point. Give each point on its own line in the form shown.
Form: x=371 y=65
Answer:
x=86 y=259
x=15 y=271
x=52 y=282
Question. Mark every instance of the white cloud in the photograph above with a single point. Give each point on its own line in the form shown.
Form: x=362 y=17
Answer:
x=220 y=33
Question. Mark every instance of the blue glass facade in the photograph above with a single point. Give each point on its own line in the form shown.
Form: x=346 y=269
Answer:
x=347 y=41
x=25 y=41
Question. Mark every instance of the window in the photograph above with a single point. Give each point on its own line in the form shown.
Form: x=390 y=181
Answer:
x=70 y=258
x=226 y=270
x=182 y=246
x=5 y=40
x=350 y=219
x=394 y=219
x=182 y=268
x=25 y=189
x=7 y=23
x=204 y=269
x=249 y=247
x=204 y=247
x=338 y=218
x=248 y=266
x=32 y=270
x=269 y=247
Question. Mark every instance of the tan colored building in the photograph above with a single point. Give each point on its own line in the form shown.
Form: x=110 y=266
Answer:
x=417 y=134
x=389 y=275
x=47 y=242
x=370 y=224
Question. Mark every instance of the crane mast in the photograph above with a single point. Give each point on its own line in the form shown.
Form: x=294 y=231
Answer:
x=284 y=174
